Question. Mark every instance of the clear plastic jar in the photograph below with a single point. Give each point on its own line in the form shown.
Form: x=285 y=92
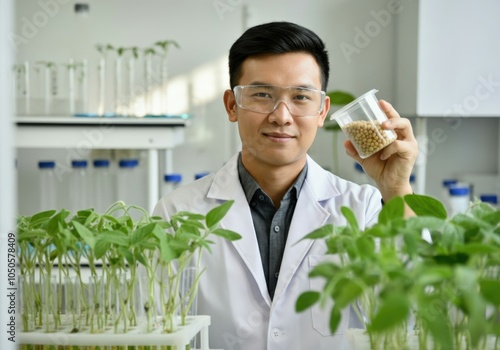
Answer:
x=48 y=185
x=126 y=177
x=445 y=191
x=459 y=200
x=103 y=185
x=78 y=186
x=361 y=121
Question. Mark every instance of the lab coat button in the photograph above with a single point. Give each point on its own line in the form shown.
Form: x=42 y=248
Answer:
x=276 y=334
x=276 y=229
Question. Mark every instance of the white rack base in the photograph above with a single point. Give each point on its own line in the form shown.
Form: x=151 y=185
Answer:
x=135 y=337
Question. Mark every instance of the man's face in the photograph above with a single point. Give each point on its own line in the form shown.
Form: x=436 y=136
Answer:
x=277 y=138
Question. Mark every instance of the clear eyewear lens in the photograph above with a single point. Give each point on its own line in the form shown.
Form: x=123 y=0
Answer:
x=301 y=102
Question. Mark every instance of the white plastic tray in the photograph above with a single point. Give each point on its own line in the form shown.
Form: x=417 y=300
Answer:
x=181 y=338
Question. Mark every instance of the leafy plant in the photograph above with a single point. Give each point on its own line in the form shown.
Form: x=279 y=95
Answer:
x=426 y=282
x=115 y=247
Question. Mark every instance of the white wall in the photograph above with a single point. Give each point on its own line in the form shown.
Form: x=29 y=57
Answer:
x=359 y=36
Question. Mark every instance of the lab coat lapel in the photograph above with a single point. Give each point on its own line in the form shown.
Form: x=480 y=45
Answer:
x=308 y=216
x=226 y=186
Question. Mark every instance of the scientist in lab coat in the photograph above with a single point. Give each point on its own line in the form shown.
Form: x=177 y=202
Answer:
x=278 y=74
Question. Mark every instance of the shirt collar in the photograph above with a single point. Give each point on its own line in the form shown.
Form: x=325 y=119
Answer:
x=250 y=186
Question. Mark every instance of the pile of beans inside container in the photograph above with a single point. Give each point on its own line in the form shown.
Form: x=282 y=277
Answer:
x=368 y=137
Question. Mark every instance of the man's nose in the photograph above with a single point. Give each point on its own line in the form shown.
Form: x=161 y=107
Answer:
x=281 y=113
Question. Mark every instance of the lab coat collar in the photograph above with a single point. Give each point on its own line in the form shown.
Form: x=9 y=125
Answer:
x=309 y=215
x=226 y=181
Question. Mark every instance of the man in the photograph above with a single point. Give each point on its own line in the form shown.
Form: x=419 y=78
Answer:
x=277 y=74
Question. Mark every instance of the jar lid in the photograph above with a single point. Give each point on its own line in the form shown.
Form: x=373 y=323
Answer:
x=46 y=164
x=459 y=191
x=128 y=163
x=173 y=177
x=489 y=198
x=79 y=163
x=449 y=182
x=101 y=163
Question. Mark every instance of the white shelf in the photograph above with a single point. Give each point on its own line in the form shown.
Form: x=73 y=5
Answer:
x=99 y=133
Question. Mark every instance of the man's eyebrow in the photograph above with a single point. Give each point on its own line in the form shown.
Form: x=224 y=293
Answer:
x=306 y=86
x=260 y=83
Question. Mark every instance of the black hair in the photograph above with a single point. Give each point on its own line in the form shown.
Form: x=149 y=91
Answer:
x=277 y=38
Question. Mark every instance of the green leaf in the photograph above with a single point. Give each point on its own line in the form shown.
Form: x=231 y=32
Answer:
x=41 y=217
x=490 y=290
x=393 y=209
x=417 y=223
x=378 y=231
x=127 y=254
x=140 y=258
x=350 y=217
x=306 y=300
x=366 y=246
x=28 y=235
x=190 y=227
x=478 y=248
x=167 y=254
x=215 y=215
x=85 y=233
x=346 y=291
x=426 y=206
x=335 y=318
x=53 y=224
x=227 y=234
x=101 y=248
x=393 y=311
x=326 y=269
x=141 y=234
x=339 y=97
x=116 y=238
x=319 y=233
x=433 y=274
x=492 y=218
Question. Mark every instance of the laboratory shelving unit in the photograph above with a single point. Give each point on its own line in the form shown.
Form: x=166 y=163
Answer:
x=156 y=135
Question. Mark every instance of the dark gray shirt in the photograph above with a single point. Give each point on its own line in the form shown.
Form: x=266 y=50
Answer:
x=271 y=224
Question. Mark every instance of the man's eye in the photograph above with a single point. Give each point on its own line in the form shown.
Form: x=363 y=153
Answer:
x=262 y=95
x=302 y=97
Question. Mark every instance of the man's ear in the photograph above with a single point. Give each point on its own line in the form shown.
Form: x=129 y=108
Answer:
x=324 y=113
x=230 y=104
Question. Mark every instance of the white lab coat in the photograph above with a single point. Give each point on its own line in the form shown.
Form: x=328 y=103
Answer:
x=233 y=288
